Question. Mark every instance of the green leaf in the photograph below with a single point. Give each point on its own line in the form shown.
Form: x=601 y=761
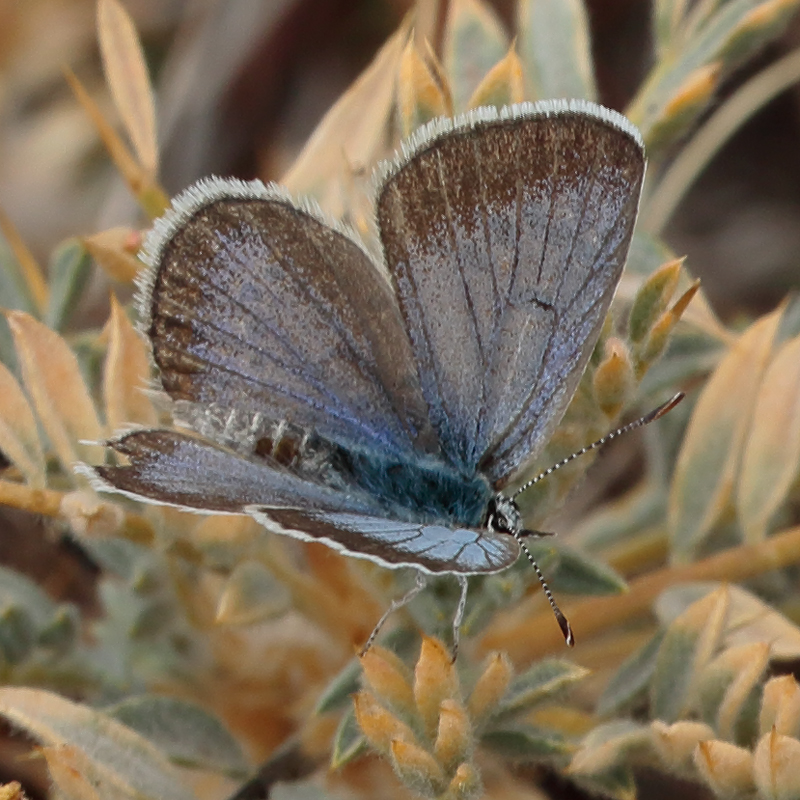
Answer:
x=185 y=733
x=577 y=573
x=631 y=679
x=14 y=293
x=652 y=300
x=338 y=691
x=17 y=590
x=14 y=289
x=114 y=760
x=608 y=748
x=16 y=634
x=553 y=43
x=251 y=594
x=474 y=41
x=348 y=743
x=726 y=38
x=710 y=455
x=62 y=631
x=540 y=682
x=667 y=16
x=687 y=647
x=70 y=268
x=525 y=743
x=625 y=519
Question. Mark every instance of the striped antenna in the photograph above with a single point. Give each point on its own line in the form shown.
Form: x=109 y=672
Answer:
x=631 y=426
x=563 y=622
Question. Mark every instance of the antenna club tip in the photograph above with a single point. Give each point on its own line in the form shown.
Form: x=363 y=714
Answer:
x=566 y=629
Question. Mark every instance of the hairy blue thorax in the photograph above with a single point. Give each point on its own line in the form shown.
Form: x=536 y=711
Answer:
x=411 y=489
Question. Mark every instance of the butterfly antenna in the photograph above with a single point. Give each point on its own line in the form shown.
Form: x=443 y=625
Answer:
x=562 y=621
x=655 y=414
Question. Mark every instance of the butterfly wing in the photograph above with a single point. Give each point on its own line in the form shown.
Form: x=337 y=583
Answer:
x=258 y=308
x=173 y=468
x=434 y=549
x=506 y=235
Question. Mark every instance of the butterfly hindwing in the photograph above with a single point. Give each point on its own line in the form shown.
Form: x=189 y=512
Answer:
x=435 y=549
x=174 y=468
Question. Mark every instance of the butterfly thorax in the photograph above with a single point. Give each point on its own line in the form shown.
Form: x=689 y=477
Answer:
x=415 y=489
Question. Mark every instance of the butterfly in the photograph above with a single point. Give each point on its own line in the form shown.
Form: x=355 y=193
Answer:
x=380 y=403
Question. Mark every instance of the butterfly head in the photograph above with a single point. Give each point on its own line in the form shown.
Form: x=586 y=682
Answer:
x=503 y=515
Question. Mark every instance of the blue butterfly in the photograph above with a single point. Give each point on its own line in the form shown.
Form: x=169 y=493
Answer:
x=380 y=404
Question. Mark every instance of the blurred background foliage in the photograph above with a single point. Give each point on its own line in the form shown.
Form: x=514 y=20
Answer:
x=156 y=654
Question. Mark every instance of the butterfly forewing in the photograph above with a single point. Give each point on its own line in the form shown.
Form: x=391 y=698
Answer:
x=258 y=306
x=506 y=237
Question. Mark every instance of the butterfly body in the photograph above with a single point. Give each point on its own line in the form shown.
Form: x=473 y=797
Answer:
x=380 y=405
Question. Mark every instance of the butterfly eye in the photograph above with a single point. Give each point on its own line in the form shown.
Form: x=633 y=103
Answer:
x=503 y=515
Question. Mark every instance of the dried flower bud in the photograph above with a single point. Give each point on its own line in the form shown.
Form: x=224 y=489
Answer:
x=389 y=678
x=466 y=784
x=90 y=516
x=435 y=680
x=417 y=769
x=613 y=378
x=379 y=726
x=454 y=741
x=490 y=687
x=775 y=766
x=676 y=744
x=780 y=706
x=726 y=768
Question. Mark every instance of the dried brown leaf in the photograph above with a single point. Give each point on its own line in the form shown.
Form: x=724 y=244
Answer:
x=71 y=771
x=780 y=706
x=503 y=85
x=420 y=94
x=19 y=436
x=435 y=680
x=775 y=766
x=726 y=768
x=87 y=744
x=351 y=134
x=46 y=502
x=771 y=458
x=151 y=198
x=709 y=459
x=474 y=41
x=29 y=266
x=57 y=391
x=742 y=669
x=114 y=250
x=126 y=374
x=126 y=74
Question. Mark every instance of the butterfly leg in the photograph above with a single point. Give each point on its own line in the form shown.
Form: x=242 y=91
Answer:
x=459 y=617
x=396 y=604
